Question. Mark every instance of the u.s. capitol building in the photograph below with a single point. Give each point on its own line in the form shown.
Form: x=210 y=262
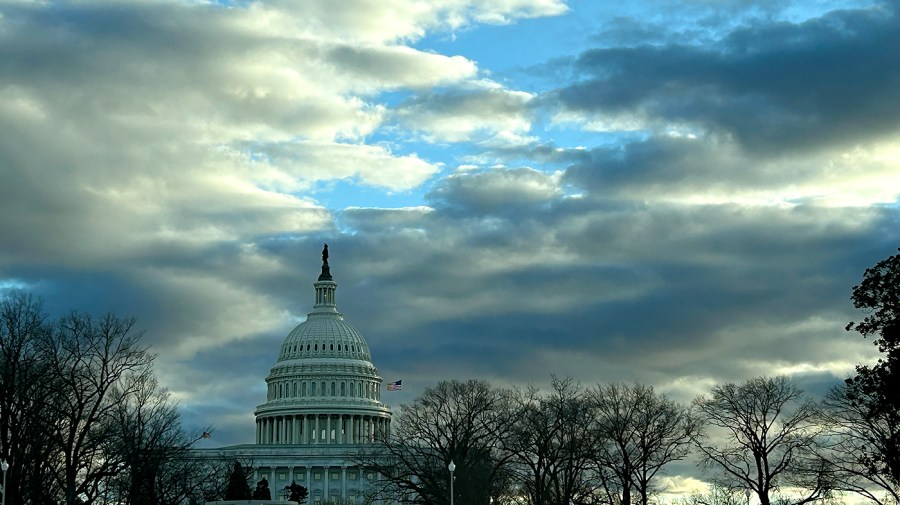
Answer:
x=322 y=406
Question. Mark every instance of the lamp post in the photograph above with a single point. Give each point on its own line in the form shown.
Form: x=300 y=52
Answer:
x=747 y=493
x=451 y=467
x=5 y=466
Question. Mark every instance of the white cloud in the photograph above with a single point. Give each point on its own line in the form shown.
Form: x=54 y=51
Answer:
x=476 y=111
x=369 y=164
x=373 y=21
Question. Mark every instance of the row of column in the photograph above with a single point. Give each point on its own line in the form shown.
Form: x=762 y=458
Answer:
x=275 y=485
x=321 y=429
x=352 y=389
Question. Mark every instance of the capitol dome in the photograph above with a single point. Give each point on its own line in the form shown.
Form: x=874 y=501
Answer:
x=324 y=388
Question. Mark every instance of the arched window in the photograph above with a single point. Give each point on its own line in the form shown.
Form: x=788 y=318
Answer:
x=313 y=389
x=343 y=389
x=332 y=389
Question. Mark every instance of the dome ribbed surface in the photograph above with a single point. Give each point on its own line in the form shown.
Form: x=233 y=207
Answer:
x=324 y=336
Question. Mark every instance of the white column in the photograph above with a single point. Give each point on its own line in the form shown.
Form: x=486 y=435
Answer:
x=326 y=484
x=344 y=483
x=318 y=432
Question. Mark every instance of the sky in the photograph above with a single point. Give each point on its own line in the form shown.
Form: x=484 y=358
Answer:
x=680 y=193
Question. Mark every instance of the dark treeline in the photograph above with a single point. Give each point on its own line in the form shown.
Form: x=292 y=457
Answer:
x=610 y=444
x=82 y=418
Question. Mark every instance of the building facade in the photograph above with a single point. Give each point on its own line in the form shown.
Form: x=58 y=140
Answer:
x=323 y=406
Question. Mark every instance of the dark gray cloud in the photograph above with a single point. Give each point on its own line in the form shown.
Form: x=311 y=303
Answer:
x=828 y=81
x=721 y=292
x=498 y=191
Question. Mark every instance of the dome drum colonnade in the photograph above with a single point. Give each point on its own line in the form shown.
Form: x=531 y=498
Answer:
x=302 y=429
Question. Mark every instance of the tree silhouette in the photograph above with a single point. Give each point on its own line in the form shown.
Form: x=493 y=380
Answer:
x=262 y=491
x=238 y=489
x=296 y=492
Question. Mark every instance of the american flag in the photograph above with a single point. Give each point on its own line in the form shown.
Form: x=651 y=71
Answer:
x=395 y=386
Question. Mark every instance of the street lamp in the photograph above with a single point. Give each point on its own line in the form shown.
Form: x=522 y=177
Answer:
x=747 y=493
x=451 y=467
x=5 y=466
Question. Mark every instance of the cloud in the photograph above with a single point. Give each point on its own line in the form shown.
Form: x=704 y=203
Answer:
x=772 y=88
x=646 y=295
x=681 y=210
x=711 y=170
x=371 y=21
x=469 y=113
x=497 y=190
x=371 y=165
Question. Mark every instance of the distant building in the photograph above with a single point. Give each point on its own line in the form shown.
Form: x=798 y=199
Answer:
x=322 y=406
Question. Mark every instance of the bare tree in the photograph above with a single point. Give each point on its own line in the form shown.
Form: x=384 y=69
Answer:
x=550 y=444
x=640 y=432
x=463 y=422
x=81 y=413
x=858 y=430
x=24 y=418
x=153 y=447
x=715 y=495
x=96 y=363
x=765 y=435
